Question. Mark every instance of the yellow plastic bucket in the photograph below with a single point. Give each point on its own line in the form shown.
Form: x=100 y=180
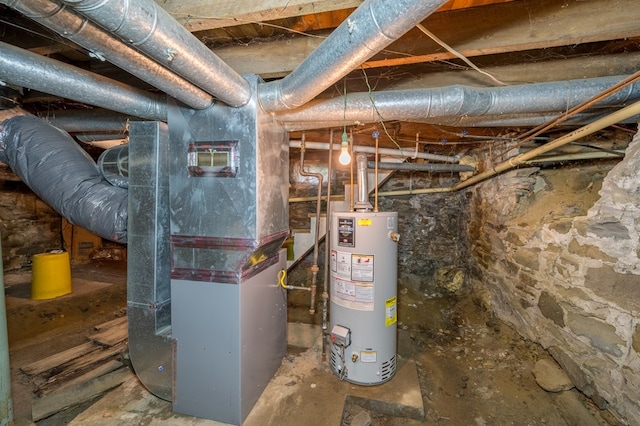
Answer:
x=51 y=275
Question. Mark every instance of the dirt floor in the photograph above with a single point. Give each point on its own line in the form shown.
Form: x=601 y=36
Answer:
x=473 y=369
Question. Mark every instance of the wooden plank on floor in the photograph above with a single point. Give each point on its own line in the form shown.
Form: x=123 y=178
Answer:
x=92 y=358
x=81 y=392
x=101 y=370
x=58 y=359
x=112 y=323
x=111 y=336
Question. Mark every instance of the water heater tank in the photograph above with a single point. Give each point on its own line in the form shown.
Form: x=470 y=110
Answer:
x=363 y=297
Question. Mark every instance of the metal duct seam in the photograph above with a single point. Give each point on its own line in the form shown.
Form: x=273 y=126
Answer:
x=153 y=31
x=457 y=102
x=17 y=67
x=370 y=28
x=64 y=176
x=103 y=46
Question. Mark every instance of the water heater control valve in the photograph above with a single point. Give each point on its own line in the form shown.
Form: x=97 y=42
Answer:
x=341 y=336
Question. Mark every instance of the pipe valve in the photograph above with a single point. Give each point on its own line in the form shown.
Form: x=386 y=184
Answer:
x=395 y=237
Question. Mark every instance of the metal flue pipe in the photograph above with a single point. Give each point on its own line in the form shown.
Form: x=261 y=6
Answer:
x=103 y=46
x=148 y=27
x=362 y=204
x=27 y=69
x=456 y=102
x=370 y=28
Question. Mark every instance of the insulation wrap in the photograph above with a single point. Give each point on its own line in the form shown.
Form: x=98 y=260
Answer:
x=62 y=174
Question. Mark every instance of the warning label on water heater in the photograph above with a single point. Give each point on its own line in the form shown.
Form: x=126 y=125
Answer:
x=341 y=264
x=390 y=311
x=362 y=267
x=352 y=294
x=352 y=280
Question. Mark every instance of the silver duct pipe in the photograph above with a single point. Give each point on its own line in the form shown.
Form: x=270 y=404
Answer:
x=92 y=120
x=370 y=28
x=148 y=27
x=102 y=45
x=23 y=68
x=502 y=120
x=423 y=167
x=62 y=174
x=454 y=102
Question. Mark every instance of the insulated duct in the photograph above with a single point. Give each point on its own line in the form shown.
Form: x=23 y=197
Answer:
x=103 y=46
x=88 y=120
x=453 y=102
x=370 y=28
x=148 y=27
x=64 y=176
x=23 y=68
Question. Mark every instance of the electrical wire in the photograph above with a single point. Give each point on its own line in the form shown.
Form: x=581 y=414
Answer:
x=459 y=55
x=375 y=107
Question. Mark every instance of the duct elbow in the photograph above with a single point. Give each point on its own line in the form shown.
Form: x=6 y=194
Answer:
x=270 y=97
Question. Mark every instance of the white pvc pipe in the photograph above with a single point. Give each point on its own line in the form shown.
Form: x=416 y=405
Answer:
x=384 y=151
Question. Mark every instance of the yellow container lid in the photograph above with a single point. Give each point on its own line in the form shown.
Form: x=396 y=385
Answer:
x=51 y=275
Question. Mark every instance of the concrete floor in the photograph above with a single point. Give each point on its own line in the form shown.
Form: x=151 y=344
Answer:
x=303 y=389
x=457 y=365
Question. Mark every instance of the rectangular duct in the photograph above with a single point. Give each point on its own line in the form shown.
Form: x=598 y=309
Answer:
x=228 y=179
x=229 y=190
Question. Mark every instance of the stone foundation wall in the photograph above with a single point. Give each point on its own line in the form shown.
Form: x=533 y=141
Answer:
x=433 y=250
x=556 y=253
x=27 y=225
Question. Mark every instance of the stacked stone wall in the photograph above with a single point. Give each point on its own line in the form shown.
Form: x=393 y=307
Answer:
x=556 y=253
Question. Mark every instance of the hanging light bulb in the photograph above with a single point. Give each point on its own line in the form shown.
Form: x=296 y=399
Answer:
x=345 y=157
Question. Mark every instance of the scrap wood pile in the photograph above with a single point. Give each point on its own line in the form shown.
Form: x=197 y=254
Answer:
x=80 y=373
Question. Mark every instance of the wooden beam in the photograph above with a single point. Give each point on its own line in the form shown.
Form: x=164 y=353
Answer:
x=198 y=15
x=499 y=28
x=513 y=27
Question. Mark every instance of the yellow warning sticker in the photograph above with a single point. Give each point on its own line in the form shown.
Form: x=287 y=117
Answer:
x=391 y=312
x=364 y=222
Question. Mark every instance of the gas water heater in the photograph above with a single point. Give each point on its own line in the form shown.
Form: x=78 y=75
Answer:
x=363 y=296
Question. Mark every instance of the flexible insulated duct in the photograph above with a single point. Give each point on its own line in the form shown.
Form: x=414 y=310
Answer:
x=26 y=69
x=64 y=176
x=458 y=102
x=103 y=46
x=370 y=28
x=149 y=28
